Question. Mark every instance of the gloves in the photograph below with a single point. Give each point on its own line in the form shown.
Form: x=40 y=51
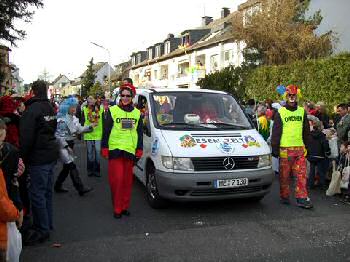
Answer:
x=21 y=167
x=104 y=152
x=138 y=153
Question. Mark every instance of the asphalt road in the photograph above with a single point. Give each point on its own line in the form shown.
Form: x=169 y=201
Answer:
x=85 y=229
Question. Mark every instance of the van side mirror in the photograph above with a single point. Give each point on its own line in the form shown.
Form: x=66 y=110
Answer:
x=147 y=129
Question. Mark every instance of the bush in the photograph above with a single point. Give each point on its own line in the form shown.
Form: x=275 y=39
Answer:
x=326 y=80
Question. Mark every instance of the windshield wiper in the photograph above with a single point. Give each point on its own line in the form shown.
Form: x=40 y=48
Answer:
x=201 y=125
x=231 y=125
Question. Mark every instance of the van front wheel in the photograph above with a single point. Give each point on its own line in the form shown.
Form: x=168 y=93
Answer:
x=153 y=198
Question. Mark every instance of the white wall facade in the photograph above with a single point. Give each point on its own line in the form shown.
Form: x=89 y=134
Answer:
x=102 y=74
x=198 y=63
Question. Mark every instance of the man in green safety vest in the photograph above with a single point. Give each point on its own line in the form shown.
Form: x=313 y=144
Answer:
x=289 y=139
x=92 y=115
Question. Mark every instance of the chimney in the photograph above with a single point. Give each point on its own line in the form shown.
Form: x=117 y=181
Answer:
x=225 y=12
x=206 y=20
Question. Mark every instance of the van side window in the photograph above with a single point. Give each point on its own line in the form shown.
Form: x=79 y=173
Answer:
x=142 y=105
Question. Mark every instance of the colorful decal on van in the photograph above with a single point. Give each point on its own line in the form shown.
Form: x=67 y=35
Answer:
x=250 y=141
x=226 y=148
x=187 y=141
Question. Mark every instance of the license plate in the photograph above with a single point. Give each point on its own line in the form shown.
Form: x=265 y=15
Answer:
x=227 y=183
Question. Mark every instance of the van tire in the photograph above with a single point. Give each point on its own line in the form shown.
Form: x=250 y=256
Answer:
x=153 y=198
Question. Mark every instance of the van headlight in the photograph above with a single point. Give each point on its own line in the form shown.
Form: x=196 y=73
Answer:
x=177 y=163
x=264 y=161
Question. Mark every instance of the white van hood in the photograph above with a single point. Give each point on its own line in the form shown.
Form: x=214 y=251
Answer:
x=215 y=143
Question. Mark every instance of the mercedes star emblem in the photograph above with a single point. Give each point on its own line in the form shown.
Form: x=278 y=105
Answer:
x=229 y=163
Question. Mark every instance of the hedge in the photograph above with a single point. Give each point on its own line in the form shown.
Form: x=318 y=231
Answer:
x=326 y=80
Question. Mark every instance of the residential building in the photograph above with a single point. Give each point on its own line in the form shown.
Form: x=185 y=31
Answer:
x=101 y=71
x=121 y=71
x=181 y=61
x=60 y=81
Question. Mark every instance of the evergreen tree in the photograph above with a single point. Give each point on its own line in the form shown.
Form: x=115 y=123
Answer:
x=88 y=79
x=15 y=10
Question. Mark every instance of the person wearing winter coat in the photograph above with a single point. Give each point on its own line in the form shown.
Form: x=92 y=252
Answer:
x=39 y=151
x=343 y=126
x=68 y=127
x=318 y=150
x=8 y=211
x=122 y=144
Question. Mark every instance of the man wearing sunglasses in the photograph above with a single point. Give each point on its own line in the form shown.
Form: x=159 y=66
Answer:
x=122 y=144
x=289 y=140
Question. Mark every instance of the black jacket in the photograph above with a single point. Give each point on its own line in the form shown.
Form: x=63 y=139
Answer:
x=37 y=129
x=318 y=146
x=9 y=156
x=324 y=118
x=278 y=128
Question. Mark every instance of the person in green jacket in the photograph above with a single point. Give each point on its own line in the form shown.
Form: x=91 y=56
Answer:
x=92 y=116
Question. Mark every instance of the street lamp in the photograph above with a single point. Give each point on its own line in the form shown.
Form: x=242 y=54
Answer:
x=109 y=63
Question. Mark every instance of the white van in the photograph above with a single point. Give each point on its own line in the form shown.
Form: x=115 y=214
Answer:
x=199 y=145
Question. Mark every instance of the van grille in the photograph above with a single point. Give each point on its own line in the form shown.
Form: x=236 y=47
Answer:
x=216 y=163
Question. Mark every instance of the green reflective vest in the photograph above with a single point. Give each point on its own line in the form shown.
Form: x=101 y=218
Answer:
x=96 y=133
x=292 y=132
x=124 y=138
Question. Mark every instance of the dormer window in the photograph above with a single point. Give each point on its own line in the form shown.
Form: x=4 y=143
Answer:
x=139 y=58
x=150 y=53
x=158 y=51
x=167 y=47
x=185 y=40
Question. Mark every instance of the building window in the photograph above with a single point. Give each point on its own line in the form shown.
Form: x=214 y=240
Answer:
x=186 y=40
x=167 y=47
x=139 y=58
x=214 y=63
x=150 y=53
x=164 y=72
x=155 y=74
x=228 y=56
x=183 y=69
x=158 y=54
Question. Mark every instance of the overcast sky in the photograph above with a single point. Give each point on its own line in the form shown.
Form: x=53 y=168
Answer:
x=58 y=38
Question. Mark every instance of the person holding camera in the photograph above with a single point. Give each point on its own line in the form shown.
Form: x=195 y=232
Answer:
x=122 y=144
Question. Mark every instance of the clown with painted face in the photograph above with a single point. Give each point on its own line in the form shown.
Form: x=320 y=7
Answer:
x=289 y=139
x=122 y=144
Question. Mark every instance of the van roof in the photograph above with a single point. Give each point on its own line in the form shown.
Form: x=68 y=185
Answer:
x=152 y=90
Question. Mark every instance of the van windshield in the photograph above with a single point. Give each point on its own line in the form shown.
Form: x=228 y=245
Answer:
x=198 y=110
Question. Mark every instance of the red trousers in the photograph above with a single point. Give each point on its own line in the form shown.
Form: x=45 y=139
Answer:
x=293 y=163
x=120 y=176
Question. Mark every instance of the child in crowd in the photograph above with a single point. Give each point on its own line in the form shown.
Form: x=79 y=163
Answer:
x=318 y=151
x=344 y=159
